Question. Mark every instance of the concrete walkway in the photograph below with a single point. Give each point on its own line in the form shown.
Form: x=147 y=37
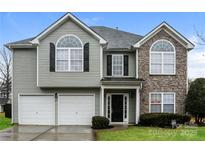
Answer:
x=47 y=133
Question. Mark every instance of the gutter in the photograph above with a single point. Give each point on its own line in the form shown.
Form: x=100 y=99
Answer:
x=20 y=46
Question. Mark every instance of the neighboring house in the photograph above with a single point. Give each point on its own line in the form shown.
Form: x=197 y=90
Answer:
x=1 y=107
x=3 y=102
x=3 y=99
x=71 y=72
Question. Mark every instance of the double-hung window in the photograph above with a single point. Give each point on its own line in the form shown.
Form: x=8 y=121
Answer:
x=69 y=54
x=117 y=65
x=162 y=58
x=162 y=102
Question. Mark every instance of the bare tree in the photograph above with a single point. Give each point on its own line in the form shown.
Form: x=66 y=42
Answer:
x=201 y=37
x=5 y=73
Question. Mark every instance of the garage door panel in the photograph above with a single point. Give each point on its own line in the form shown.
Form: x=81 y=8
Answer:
x=76 y=110
x=38 y=110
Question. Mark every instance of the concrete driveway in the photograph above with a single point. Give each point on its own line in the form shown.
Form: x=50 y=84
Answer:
x=47 y=133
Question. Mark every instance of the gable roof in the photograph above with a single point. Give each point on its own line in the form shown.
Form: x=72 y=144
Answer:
x=117 y=39
x=114 y=39
x=176 y=35
x=61 y=20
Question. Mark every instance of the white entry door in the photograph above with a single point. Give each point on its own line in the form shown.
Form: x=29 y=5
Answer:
x=76 y=109
x=36 y=110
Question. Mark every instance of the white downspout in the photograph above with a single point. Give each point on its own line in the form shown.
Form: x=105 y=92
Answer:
x=137 y=105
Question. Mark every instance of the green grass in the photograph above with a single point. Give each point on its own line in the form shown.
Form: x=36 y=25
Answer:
x=4 y=122
x=136 y=133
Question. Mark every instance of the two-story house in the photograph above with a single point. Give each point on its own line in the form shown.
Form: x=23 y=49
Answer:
x=71 y=72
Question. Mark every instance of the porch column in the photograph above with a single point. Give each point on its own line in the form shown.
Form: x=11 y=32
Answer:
x=137 y=105
x=102 y=102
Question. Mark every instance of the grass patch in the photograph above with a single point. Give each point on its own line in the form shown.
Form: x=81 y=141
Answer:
x=4 y=122
x=136 y=133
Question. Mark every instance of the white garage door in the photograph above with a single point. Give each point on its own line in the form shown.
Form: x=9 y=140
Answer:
x=38 y=110
x=76 y=109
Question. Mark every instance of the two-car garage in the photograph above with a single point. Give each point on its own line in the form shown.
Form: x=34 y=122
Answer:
x=61 y=109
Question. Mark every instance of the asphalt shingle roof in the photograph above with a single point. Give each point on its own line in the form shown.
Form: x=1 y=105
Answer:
x=117 y=39
x=25 y=41
x=121 y=79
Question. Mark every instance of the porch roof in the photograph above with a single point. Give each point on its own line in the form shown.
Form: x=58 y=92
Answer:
x=128 y=81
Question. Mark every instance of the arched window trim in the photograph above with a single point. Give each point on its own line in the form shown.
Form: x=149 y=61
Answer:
x=162 y=53
x=69 y=49
x=69 y=35
x=160 y=41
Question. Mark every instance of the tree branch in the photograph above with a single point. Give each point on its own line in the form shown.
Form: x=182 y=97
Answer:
x=201 y=37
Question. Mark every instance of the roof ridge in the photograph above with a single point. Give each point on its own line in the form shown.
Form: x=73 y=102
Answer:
x=118 y=30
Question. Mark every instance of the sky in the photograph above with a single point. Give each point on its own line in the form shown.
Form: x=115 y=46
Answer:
x=17 y=26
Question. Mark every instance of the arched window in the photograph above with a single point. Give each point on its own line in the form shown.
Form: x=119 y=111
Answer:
x=162 y=58
x=69 y=54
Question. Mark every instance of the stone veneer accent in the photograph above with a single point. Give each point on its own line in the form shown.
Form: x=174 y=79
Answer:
x=163 y=83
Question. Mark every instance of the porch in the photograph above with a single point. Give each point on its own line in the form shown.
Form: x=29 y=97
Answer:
x=120 y=100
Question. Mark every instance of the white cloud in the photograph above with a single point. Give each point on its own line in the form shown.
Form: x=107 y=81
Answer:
x=196 y=60
x=92 y=21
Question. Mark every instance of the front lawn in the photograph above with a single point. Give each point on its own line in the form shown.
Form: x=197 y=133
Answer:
x=136 y=133
x=4 y=122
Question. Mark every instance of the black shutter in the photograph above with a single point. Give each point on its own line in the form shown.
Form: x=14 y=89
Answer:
x=109 y=65
x=86 y=57
x=52 y=57
x=126 y=65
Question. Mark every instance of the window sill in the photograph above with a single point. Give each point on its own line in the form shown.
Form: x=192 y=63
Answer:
x=162 y=74
x=67 y=72
x=119 y=76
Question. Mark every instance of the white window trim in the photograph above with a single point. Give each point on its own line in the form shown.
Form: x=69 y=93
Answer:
x=69 y=35
x=79 y=71
x=122 y=55
x=162 y=103
x=162 y=54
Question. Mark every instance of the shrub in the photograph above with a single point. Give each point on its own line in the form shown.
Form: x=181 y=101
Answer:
x=99 y=122
x=7 y=110
x=162 y=119
x=195 y=100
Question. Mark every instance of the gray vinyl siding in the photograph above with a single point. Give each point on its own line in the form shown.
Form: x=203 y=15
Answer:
x=25 y=81
x=25 y=71
x=71 y=79
x=131 y=64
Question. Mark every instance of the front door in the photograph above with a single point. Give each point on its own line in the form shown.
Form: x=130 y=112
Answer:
x=117 y=108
